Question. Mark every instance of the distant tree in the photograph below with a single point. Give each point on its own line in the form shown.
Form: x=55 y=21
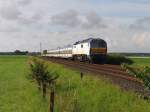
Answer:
x=18 y=52
x=26 y=52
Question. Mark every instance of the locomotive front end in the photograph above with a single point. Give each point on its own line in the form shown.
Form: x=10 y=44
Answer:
x=98 y=50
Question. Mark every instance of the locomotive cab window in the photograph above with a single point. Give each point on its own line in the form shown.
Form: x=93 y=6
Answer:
x=98 y=44
x=81 y=45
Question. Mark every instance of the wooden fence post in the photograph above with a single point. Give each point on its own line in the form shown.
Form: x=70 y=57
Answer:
x=44 y=89
x=81 y=75
x=52 y=97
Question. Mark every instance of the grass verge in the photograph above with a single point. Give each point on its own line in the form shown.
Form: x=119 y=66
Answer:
x=92 y=94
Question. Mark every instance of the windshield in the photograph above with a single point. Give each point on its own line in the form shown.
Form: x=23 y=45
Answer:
x=98 y=44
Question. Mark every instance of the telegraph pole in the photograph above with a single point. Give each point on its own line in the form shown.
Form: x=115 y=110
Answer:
x=40 y=48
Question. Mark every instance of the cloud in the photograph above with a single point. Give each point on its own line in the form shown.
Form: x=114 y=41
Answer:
x=73 y=19
x=24 y=2
x=142 y=39
x=10 y=13
x=30 y=20
x=9 y=28
x=93 y=20
x=69 y=19
x=141 y=24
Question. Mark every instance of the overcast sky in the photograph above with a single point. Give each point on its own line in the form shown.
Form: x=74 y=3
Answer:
x=124 y=24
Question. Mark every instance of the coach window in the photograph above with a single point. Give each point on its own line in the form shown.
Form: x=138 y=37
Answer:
x=81 y=45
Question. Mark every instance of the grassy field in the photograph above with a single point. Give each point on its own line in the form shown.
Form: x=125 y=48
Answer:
x=141 y=61
x=18 y=94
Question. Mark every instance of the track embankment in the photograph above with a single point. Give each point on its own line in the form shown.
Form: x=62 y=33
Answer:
x=113 y=73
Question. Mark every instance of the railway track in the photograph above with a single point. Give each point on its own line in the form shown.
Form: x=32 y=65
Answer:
x=105 y=69
x=114 y=73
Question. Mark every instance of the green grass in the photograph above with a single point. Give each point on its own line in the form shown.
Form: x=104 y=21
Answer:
x=141 y=62
x=18 y=94
x=93 y=95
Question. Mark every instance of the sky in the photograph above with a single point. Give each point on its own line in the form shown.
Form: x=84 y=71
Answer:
x=124 y=24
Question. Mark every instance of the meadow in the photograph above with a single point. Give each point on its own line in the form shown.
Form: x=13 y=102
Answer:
x=17 y=93
x=91 y=94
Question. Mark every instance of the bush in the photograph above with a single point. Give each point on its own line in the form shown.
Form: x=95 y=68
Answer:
x=143 y=75
x=41 y=74
x=117 y=59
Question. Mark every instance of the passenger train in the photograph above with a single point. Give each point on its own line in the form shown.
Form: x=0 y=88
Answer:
x=92 y=50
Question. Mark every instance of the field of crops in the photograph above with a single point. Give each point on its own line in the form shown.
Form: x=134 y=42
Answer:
x=19 y=94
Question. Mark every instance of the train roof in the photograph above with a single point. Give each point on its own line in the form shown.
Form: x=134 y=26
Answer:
x=87 y=40
x=59 y=49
